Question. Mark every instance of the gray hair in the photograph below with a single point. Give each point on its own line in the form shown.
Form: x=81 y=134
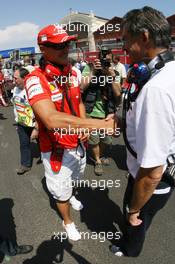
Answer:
x=149 y=19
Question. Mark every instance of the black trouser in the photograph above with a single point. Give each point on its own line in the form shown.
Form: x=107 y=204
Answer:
x=7 y=247
x=134 y=236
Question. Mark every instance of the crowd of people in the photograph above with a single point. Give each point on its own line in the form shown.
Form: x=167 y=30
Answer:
x=62 y=94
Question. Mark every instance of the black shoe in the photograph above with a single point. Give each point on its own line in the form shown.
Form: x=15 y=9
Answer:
x=8 y=248
x=22 y=170
x=39 y=161
x=23 y=249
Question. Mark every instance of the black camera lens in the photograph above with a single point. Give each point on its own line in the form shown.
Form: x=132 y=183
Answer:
x=105 y=63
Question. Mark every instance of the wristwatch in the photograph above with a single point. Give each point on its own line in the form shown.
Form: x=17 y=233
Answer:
x=131 y=212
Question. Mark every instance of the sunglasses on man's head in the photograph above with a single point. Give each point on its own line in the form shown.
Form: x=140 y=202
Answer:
x=59 y=46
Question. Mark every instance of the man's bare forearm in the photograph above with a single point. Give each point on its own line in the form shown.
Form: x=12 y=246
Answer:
x=145 y=184
x=61 y=120
x=82 y=110
x=116 y=87
x=46 y=112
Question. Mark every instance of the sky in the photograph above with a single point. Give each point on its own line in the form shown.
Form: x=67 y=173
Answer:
x=21 y=20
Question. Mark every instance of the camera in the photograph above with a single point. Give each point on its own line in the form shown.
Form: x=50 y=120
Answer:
x=105 y=62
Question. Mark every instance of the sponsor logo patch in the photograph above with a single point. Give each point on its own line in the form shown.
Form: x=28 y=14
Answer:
x=53 y=88
x=33 y=80
x=57 y=97
x=35 y=90
x=43 y=38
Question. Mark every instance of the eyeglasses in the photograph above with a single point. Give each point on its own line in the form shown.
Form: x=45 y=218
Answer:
x=59 y=46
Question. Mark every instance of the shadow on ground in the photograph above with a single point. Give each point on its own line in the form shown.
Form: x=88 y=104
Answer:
x=52 y=252
x=100 y=213
x=2 y=117
x=118 y=154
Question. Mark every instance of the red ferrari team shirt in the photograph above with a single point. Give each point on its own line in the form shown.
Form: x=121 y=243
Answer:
x=41 y=86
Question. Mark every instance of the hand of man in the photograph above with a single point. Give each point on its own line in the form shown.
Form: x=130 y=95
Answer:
x=115 y=117
x=97 y=64
x=84 y=136
x=134 y=220
x=110 y=116
x=110 y=125
x=34 y=134
x=111 y=72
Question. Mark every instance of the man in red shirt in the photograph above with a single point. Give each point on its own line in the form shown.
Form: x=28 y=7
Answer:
x=54 y=95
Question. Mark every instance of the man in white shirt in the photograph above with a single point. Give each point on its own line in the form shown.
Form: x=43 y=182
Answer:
x=26 y=124
x=120 y=68
x=150 y=125
x=76 y=69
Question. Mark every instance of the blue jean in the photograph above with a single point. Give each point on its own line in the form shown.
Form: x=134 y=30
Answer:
x=24 y=134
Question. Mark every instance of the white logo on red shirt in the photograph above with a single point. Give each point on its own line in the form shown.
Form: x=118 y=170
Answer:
x=57 y=97
x=33 y=87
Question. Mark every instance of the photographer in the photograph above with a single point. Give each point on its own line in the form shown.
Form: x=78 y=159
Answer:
x=100 y=94
x=120 y=68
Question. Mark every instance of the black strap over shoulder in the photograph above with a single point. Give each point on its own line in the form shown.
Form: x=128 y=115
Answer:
x=125 y=109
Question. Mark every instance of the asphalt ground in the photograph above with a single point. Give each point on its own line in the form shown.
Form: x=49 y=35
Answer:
x=28 y=214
